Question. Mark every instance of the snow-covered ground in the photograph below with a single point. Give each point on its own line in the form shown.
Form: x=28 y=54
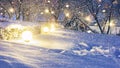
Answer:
x=62 y=49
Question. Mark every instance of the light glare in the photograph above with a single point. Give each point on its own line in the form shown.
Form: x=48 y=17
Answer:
x=11 y=10
x=27 y=35
x=67 y=6
x=46 y=11
x=46 y=29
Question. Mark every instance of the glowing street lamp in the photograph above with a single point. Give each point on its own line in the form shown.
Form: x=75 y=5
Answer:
x=12 y=2
x=104 y=11
x=112 y=24
x=11 y=10
x=88 y=18
x=27 y=36
x=1 y=13
x=52 y=12
x=45 y=29
x=46 y=11
x=67 y=14
x=67 y=6
x=48 y=1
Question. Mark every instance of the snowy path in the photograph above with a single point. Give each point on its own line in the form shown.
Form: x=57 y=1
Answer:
x=67 y=50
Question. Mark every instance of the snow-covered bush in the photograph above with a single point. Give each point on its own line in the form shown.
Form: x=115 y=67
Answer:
x=7 y=34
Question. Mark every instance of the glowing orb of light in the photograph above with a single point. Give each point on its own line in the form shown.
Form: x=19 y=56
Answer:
x=27 y=36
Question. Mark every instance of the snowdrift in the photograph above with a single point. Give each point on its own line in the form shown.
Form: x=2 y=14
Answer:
x=85 y=51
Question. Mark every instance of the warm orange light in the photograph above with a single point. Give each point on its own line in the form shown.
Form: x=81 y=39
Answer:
x=11 y=10
x=88 y=18
x=67 y=14
x=52 y=29
x=46 y=29
x=48 y=1
x=27 y=35
x=46 y=11
x=52 y=12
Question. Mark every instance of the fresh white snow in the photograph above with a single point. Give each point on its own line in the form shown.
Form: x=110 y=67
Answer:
x=62 y=49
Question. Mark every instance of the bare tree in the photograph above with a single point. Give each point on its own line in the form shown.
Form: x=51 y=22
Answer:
x=104 y=8
x=73 y=12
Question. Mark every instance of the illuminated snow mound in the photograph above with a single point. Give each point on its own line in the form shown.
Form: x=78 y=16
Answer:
x=81 y=50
